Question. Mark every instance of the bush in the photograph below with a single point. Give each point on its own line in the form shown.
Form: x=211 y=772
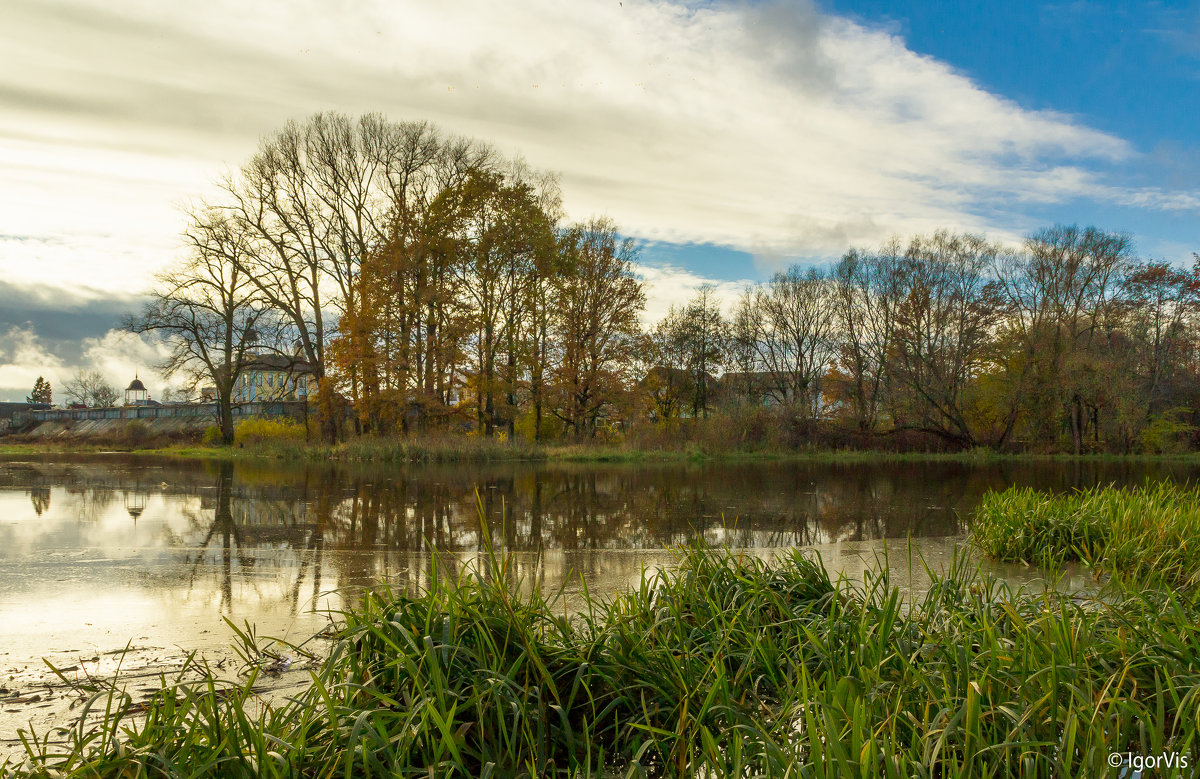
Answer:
x=260 y=430
x=136 y=432
x=212 y=435
x=1167 y=433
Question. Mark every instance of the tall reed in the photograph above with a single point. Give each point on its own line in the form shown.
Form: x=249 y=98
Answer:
x=1148 y=535
x=722 y=665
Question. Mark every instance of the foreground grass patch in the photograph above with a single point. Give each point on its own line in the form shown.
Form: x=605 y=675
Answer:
x=1146 y=535
x=720 y=666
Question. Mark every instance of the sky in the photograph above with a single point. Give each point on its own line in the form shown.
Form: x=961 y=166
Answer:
x=731 y=139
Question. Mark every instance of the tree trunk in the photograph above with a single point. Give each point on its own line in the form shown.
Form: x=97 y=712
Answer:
x=328 y=410
x=225 y=413
x=1077 y=424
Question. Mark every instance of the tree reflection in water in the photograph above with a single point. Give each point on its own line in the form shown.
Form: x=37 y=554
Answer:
x=41 y=499
x=249 y=531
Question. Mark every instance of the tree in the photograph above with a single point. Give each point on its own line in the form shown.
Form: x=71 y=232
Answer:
x=941 y=336
x=318 y=198
x=668 y=380
x=595 y=323
x=1059 y=302
x=41 y=392
x=89 y=388
x=787 y=323
x=1160 y=307
x=463 y=276
x=501 y=237
x=704 y=333
x=209 y=312
x=865 y=297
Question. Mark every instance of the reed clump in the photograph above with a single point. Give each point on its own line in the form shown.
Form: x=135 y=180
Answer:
x=431 y=449
x=722 y=665
x=1148 y=535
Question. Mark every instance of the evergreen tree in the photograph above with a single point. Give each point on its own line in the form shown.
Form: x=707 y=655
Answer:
x=41 y=392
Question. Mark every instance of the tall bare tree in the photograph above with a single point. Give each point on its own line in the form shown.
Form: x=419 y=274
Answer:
x=944 y=322
x=319 y=196
x=208 y=311
x=790 y=321
x=865 y=297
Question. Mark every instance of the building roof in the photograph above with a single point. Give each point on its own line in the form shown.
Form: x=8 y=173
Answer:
x=276 y=362
x=136 y=386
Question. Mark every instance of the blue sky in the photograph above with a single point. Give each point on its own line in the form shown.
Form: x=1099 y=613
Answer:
x=731 y=139
x=1129 y=69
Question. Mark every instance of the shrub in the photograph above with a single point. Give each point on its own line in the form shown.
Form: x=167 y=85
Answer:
x=212 y=435
x=1167 y=433
x=263 y=430
x=136 y=432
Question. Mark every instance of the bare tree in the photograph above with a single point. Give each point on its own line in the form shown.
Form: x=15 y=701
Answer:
x=319 y=197
x=944 y=323
x=790 y=322
x=89 y=388
x=705 y=335
x=668 y=380
x=208 y=311
x=865 y=297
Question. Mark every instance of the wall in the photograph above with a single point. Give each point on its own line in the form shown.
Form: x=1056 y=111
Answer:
x=100 y=422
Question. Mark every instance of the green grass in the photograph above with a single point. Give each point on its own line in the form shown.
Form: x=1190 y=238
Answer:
x=1146 y=535
x=720 y=666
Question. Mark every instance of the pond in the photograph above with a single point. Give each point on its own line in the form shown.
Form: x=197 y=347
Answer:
x=118 y=558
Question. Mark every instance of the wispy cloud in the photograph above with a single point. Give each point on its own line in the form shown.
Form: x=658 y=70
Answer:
x=668 y=285
x=23 y=358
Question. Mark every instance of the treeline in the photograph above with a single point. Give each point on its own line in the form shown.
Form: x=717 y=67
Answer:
x=1068 y=343
x=428 y=282
x=424 y=281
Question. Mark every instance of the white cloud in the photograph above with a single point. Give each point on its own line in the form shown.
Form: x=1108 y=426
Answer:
x=773 y=129
x=668 y=285
x=117 y=355
x=23 y=358
x=120 y=356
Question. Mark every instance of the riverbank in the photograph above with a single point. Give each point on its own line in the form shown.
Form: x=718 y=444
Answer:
x=481 y=450
x=721 y=665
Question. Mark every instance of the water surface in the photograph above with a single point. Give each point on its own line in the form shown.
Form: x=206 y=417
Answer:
x=102 y=552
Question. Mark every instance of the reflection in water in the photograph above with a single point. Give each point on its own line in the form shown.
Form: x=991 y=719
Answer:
x=245 y=525
x=120 y=547
x=41 y=499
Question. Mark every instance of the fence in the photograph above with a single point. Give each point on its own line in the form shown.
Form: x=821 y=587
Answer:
x=281 y=408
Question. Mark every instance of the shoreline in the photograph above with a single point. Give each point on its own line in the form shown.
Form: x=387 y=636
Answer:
x=416 y=451
x=684 y=647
